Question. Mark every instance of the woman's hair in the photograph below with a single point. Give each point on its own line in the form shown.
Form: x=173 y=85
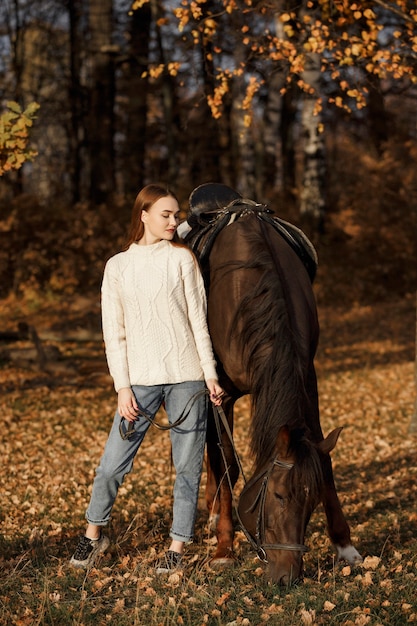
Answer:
x=144 y=200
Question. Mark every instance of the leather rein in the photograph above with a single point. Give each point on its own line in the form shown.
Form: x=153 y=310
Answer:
x=258 y=541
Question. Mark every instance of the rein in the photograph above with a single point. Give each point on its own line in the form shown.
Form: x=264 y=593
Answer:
x=130 y=430
x=257 y=542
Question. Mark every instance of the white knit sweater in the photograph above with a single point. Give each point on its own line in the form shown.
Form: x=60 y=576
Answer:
x=154 y=317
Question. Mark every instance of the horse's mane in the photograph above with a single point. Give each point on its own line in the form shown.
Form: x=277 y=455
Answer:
x=277 y=383
x=307 y=470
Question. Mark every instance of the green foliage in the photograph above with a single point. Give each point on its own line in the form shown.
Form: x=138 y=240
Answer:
x=15 y=126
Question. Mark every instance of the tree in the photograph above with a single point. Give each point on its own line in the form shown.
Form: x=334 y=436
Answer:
x=134 y=116
x=76 y=97
x=345 y=42
x=101 y=106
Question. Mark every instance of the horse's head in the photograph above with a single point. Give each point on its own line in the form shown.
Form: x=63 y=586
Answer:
x=276 y=504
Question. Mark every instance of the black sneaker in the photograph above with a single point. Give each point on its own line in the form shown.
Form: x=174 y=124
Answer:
x=88 y=550
x=170 y=562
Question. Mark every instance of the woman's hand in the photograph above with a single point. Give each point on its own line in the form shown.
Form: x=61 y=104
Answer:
x=126 y=404
x=216 y=392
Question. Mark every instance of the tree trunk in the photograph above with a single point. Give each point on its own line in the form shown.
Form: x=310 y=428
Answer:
x=211 y=154
x=288 y=122
x=16 y=33
x=243 y=145
x=312 y=197
x=137 y=104
x=272 y=168
x=76 y=131
x=377 y=118
x=101 y=119
x=168 y=101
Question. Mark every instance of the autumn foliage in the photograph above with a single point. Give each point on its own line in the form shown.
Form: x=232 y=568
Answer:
x=15 y=126
x=351 y=43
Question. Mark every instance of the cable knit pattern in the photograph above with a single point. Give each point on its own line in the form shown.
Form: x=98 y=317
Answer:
x=154 y=317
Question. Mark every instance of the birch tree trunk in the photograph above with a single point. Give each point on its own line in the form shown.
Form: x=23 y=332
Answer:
x=243 y=147
x=272 y=165
x=312 y=196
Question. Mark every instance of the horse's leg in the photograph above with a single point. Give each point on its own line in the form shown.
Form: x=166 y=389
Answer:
x=218 y=492
x=337 y=526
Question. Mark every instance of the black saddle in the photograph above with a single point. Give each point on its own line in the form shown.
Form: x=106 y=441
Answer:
x=213 y=206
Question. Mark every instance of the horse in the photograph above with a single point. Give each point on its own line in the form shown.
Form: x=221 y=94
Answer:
x=262 y=318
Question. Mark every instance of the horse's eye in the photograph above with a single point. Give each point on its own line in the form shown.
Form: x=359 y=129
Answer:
x=279 y=496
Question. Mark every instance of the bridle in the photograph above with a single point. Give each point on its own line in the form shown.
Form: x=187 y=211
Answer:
x=257 y=542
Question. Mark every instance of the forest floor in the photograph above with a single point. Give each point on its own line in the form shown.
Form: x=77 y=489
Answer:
x=54 y=425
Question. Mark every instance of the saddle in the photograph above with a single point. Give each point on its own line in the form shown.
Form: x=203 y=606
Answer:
x=214 y=206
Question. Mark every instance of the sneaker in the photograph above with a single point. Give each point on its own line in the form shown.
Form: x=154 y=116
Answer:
x=88 y=550
x=169 y=562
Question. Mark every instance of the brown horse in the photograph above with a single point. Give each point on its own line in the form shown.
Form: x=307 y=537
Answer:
x=263 y=323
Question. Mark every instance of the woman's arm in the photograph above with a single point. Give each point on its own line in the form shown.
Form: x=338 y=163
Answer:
x=114 y=332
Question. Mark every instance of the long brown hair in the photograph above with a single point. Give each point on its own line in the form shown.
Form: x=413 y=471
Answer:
x=144 y=200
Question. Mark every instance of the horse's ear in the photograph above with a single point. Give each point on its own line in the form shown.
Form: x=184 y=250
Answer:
x=329 y=443
x=283 y=442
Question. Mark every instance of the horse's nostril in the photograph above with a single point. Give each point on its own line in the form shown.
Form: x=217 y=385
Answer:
x=287 y=580
x=285 y=576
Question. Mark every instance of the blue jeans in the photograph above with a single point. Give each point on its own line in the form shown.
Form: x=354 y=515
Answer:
x=187 y=440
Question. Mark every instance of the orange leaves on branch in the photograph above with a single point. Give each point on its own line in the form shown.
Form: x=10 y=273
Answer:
x=215 y=101
x=138 y=4
x=230 y=6
x=252 y=88
x=345 y=34
x=157 y=70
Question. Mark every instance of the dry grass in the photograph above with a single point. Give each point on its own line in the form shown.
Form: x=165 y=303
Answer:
x=54 y=428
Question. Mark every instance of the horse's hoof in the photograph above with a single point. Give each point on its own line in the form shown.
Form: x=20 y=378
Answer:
x=349 y=554
x=221 y=562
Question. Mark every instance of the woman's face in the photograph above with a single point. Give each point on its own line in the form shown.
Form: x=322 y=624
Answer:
x=160 y=220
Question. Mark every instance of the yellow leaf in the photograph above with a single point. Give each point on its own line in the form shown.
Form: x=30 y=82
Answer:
x=371 y=562
x=369 y=14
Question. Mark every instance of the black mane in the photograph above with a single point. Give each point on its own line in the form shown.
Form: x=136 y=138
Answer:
x=271 y=350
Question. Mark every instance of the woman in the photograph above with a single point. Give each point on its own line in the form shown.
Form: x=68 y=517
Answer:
x=159 y=352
